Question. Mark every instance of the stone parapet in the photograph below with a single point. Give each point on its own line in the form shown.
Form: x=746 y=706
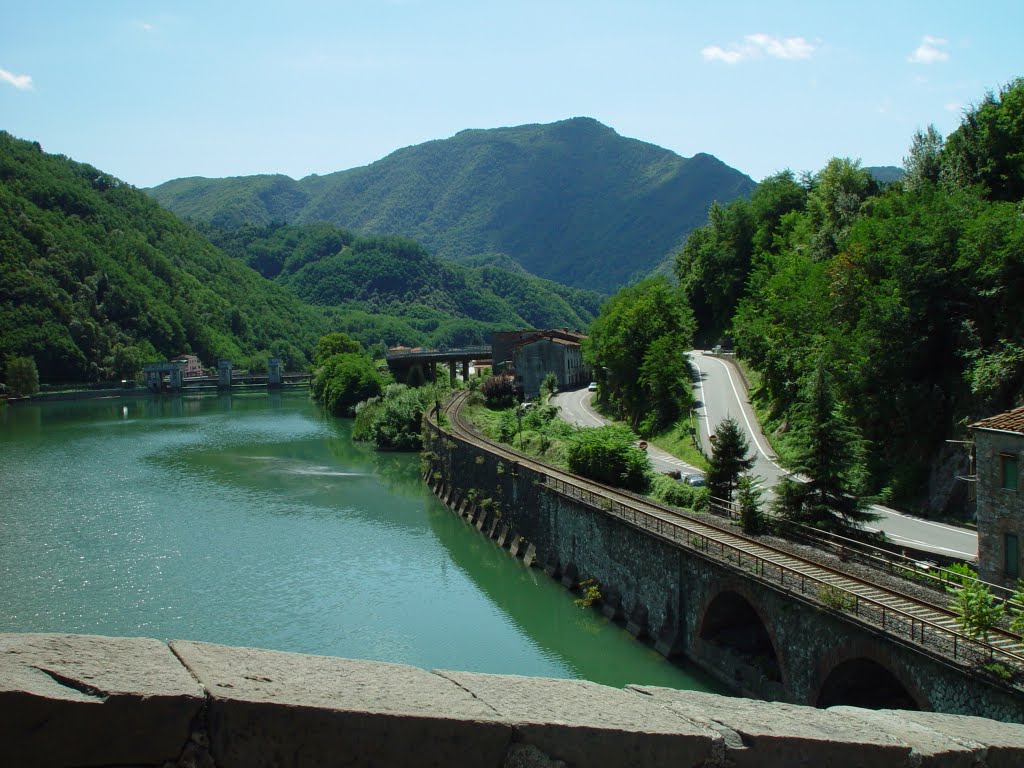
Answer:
x=99 y=701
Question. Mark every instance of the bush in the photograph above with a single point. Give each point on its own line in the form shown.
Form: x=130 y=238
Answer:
x=499 y=391
x=398 y=423
x=670 y=491
x=609 y=455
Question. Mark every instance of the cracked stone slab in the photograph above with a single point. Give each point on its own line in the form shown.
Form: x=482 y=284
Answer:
x=91 y=700
x=270 y=708
x=950 y=740
x=766 y=734
x=583 y=723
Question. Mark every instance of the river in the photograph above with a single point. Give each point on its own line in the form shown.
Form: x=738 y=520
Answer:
x=254 y=520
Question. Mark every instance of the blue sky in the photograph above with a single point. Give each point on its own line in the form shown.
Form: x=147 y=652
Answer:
x=151 y=91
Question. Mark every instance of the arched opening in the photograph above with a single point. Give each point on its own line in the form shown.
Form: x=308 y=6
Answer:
x=732 y=624
x=864 y=683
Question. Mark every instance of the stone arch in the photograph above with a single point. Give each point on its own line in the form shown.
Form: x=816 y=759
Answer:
x=732 y=620
x=860 y=676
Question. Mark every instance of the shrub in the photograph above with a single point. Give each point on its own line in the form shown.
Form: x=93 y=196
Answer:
x=609 y=455
x=499 y=391
x=670 y=491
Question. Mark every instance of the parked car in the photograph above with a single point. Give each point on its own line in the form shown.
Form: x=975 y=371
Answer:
x=592 y=387
x=696 y=481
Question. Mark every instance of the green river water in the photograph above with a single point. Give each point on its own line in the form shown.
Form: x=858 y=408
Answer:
x=254 y=520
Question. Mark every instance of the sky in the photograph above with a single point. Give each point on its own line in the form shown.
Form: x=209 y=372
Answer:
x=152 y=91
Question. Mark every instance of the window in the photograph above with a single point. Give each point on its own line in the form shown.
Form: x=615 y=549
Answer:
x=1011 y=556
x=1008 y=471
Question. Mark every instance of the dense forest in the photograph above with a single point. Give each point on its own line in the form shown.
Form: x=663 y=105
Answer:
x=910 y=295
x=570 y=201
x=328 y=266
x=96 y=278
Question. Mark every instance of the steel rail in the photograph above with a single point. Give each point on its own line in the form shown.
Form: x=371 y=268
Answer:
x=901 y=615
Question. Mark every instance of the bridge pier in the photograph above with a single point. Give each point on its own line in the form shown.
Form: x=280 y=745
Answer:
x=224 y=374
x=273 y=372
x=465 y=370
x=451 y=372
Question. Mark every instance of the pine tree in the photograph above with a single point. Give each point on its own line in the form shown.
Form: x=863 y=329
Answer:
x=729 y=459
x=831 y=458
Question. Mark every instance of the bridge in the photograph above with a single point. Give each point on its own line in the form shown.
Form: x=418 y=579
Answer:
x=768 y=622
x=401 y=362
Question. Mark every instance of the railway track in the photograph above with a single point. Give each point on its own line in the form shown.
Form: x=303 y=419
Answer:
x=906 y=617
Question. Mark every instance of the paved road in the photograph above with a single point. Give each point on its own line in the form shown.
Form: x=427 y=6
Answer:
x=719 y=392
x=575 y=408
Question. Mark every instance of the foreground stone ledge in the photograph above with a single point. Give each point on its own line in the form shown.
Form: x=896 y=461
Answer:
x=584 y=723
x=88 y=700
x=760 y=733
x=269 y=708
x=73 y=700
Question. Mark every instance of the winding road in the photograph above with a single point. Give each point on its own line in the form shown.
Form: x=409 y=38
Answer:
x=720 y=392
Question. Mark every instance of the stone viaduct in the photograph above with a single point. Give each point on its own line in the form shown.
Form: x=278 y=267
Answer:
x=758 y=637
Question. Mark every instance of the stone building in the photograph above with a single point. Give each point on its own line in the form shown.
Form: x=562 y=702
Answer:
x=544 y=352
x=999 y=451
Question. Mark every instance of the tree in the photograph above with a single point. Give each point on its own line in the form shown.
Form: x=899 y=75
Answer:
x=748 y=499
x=637 y=347
x=729 y=459
x=924 y=163
x=831 y=456
x=977 y=609
x=22 y=375
x=550 y=383
x=335 y=344
x=345 y=380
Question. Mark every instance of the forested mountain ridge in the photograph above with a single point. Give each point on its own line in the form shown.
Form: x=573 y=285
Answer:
x=96 y=278
x=908 y=295
x=328 y=266
x=571 y=201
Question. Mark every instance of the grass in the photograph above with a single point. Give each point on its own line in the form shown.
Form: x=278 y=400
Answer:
x=678 y=440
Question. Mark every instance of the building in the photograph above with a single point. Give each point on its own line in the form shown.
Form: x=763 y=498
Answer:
x=536 y=355
x=192 y=365
x=999 y=453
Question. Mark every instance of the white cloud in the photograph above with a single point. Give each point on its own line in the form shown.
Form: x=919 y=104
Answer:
x=21 y=82
x=929 y=52
x=759 y=44
x=953 y=107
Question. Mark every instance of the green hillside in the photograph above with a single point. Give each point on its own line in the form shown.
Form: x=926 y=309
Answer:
x=95 y=278
x=570 y=201
x=328 y=266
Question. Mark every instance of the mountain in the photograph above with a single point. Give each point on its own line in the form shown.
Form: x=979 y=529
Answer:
x=570 y=201
x=328 y=266
x=96 y=278
x=885 y=174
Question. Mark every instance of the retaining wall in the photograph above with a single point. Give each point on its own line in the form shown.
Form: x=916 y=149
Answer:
x=78 y=700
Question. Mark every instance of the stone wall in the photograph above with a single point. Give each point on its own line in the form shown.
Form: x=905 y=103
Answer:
x=98 y=701
x=663 y=591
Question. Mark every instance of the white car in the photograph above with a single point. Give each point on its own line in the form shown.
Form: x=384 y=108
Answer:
x=592 y=387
